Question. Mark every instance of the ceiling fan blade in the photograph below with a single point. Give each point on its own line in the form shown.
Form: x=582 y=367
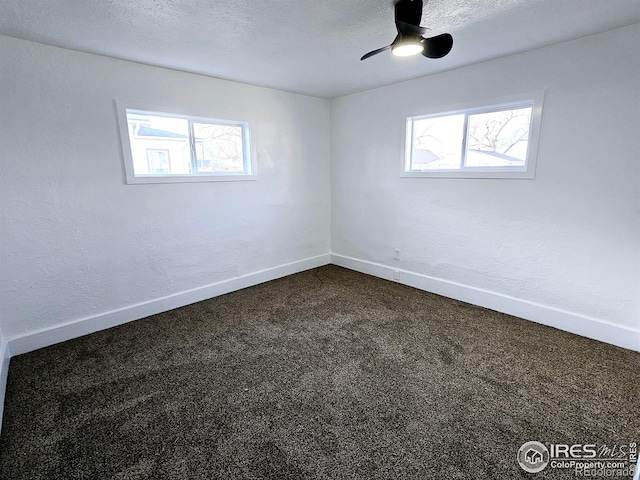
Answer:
x=438 y=46
x=375 y=52
x=408 y=11
x=408 y=29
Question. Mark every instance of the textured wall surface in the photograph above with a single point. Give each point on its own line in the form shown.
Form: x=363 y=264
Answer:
x=568 y=239
x=77 y=241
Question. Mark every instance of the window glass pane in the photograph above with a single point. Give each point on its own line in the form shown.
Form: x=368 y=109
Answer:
x=437 y=143
x=498 y=139
x=159 y=145
x=218 y=148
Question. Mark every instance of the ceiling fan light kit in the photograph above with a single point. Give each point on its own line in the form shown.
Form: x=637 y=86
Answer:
x=406 y=48
x=409 y=40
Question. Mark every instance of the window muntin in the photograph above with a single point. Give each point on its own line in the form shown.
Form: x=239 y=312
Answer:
x=162 y=147
x=495 y=141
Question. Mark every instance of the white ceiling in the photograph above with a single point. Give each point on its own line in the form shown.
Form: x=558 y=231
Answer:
x=307 y=46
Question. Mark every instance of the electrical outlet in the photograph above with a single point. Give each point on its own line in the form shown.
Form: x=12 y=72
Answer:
x=396 y=274
x=397 y=254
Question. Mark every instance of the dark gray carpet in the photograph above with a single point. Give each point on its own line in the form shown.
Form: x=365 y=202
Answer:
x=324 y=374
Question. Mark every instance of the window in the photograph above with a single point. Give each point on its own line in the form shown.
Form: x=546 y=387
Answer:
x=487 y=141
x=162 y=147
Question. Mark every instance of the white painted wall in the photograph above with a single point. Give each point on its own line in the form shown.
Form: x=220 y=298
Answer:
x=568 y=240
x=76 y=241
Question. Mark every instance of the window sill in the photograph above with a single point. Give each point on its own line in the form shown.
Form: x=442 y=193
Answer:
x=515 y=175
x=190 y=179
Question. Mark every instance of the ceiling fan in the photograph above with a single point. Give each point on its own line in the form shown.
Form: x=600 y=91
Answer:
x=409 y=40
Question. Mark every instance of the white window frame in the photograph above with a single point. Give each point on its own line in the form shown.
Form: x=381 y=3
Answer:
x=534 y=100
x=122 y=106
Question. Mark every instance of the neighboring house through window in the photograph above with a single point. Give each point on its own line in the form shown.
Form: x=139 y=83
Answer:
x=158 y=161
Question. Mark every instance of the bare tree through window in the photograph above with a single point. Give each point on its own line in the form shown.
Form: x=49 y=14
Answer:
x=501 y=132
x=218 y=147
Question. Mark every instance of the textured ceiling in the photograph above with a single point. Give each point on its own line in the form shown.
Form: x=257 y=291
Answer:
x=306 y=46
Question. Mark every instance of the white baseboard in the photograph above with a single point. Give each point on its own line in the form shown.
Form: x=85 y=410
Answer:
x=84 y=326
x=589 y=327
x=4 y=373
